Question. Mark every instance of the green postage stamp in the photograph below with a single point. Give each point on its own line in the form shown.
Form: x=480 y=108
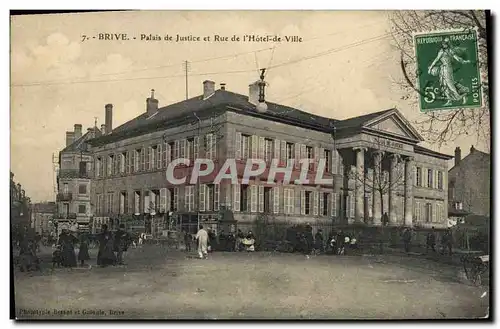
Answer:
x=448 y=75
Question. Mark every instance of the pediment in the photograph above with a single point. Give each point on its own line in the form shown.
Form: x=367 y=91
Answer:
x=395 y=124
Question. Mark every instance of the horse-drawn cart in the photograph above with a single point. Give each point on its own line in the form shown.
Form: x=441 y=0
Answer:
x=475 y=267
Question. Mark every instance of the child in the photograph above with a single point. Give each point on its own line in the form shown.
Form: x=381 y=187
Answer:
x=83 y=254
x=57 y=257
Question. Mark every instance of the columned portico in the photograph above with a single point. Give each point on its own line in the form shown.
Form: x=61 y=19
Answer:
x=377 y=183
x=359 y=184
x=408 y=219
x=393 y=186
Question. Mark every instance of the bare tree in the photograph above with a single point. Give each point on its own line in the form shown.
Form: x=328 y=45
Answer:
x=443 y=126
x=377 y=180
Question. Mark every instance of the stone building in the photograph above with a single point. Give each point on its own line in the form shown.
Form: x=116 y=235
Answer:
x=73 y=180
x=470 y=182
x=43 y=215
x=374 y=161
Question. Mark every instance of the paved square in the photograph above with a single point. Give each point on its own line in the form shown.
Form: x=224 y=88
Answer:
x=168 y=285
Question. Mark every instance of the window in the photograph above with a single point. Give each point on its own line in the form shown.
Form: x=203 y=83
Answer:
x=98 y=167
x=428 y=212
x=99 y=204
x=109 y=203
x=137 y=159
x=189 y=198
x=307 y=202
x=65 y=188
x=245 y=146
x=244 y=197
x=159 y=154
x=334 y=205
x=123 y=203
x=152 y=157
x=123 y=162
x=174 y=198
x=82 y=209
x=142 y=165
x=137 y=202
x=109 y=170
x=290 y=155
x=310 y=155
x=172 y=148
x=82 y=189
x=132 y=162
x=327 y=154
x=289 y=197
x=268 y=150
x=267 y=199
x=440 y=180
x=211 y=146
x=324 y=210
x=419 y=176
x=182 y=149
x=429 y=178
x=190 y=150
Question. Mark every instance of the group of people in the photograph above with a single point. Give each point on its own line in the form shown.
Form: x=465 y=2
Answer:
x=206 y=241
x=446 y=242
x=112 y=247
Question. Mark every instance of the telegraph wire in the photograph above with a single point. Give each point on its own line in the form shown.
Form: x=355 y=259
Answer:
x=211 y=58
x=324 y=53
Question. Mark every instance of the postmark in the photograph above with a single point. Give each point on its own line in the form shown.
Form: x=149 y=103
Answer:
x=448 y=71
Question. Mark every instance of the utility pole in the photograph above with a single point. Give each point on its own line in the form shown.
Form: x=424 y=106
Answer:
x=186 y=70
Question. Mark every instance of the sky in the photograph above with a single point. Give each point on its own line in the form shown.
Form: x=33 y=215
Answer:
x=58 y=80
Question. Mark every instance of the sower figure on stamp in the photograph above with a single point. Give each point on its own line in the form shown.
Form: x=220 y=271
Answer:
x=202 y=238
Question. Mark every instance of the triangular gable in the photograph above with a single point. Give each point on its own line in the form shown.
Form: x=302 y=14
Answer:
x=394 y=123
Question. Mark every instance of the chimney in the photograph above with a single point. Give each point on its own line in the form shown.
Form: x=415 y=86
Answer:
x=208 y=88
x=151 y=104
x=472 y=149
x=108 y=118
x=103 y=129
x=458 y=155
x=70 y=137
x=222 y=86
x=253 y=93
x=78 y=131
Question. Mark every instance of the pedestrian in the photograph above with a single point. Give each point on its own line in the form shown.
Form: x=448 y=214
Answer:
x=67 y=242
x=340 y=243
x=447 y=240
x=121 y=243
x=385 y=219
x=83 y=253
x=318 y=241
x=431 y=241
x=202 y=238
x=407 y=239
x=187 y=240
x=105 y=255
x=239 y=238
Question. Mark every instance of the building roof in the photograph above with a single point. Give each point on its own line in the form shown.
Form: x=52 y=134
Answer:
x=79 y=144
x=220 y=97
x=474 y=152
x=423 y=150
x=223 y=100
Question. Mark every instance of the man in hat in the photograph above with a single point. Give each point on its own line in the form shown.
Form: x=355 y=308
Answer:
x=121 y=243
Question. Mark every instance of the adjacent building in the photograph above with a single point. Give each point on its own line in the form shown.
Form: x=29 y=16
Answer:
x=374 y=161
x=74 y=180
x=470 y=183
x=42 y=217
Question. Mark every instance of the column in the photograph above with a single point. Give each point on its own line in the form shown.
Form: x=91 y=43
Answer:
x=408 y=220
x=377 y=185
x=359 y=212
x=395 y=179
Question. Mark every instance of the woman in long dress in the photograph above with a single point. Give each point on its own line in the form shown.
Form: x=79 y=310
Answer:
x=67 y=242
x=442 y=67
x=105 y=256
